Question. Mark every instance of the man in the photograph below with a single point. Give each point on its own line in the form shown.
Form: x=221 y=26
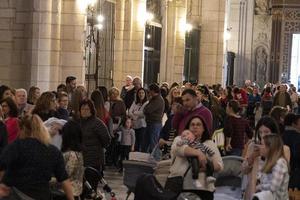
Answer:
x=282 y=98
x=21 y=101
x=153 y=112
x=70 y=84
x=191 y=107
x=128 y=86
x=130 y=95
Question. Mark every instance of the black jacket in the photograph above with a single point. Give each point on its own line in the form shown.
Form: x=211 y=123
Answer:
x=95 y=137
x=3 y=136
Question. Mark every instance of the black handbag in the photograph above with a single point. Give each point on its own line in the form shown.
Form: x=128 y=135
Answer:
x=175 y=184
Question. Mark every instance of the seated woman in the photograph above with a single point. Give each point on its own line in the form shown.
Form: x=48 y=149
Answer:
x=28 y=163
x=265 y=126
x=181 y=153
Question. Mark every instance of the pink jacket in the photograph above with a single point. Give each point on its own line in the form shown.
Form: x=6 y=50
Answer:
x=12 y=127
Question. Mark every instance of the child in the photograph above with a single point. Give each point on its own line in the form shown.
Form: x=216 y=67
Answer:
x=127 y=140
x=273 y=175
x=188 y=138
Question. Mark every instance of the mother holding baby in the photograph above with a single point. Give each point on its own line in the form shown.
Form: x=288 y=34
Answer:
x=198 y=146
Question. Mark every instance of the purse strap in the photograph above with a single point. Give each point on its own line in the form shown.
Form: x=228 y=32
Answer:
x=185 y=173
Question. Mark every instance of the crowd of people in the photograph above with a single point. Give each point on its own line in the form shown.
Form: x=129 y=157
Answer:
x=58 y=133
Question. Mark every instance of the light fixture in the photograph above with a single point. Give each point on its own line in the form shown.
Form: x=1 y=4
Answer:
x=148 y=36
x=100 y=18
x=99 y=26
x=149 y=16
x=188 y=27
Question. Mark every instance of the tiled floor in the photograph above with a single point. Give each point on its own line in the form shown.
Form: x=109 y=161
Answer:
x=115 y=181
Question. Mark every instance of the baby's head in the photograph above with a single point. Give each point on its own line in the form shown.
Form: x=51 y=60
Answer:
x=188 y=135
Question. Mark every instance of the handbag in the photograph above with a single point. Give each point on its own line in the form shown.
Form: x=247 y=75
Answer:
x=175 y=184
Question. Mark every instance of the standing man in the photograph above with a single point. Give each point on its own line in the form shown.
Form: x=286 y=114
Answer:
x=130 y=94
x=153 y=112
x=71 y=85
x=191 y=107
x=282 y=98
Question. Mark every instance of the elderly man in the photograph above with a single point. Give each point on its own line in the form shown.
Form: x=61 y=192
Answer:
x=21 y=101
x=128 y=86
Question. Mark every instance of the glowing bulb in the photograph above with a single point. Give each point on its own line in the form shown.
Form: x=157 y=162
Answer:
x=99 y=26
x=188 y=27
x=150 y=16
x=100 y=18
x=148 y=36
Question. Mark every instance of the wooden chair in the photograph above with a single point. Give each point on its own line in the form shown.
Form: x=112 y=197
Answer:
x=294 y=194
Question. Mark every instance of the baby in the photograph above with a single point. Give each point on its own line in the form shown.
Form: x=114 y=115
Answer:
x=188 y=138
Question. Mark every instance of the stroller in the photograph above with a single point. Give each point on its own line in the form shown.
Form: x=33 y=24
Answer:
x=134 y=168
x=92 y=178
x=229 y=181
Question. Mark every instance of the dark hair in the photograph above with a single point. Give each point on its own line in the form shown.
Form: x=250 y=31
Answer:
x=3 y=88
x=163 y=92
x=229 y=92
x=278 y=112
x=154 y=87
x=268 y=122
x=98 y=100
x=177 y=100
x=60 y=95
x=234 y=105
x=90 y=104
x=205 y=135
x=175 y=84
x=289 y=119
x=236 y=90
x=268 y=89
x=43 y=103
x=203 y=89
x=61 y=87
x=13 y=109
x=138 y=98
x=31 y=93
x=104 y=92
x=69 y=79
x=71 y=137
x=189 y=91
x=124 y=121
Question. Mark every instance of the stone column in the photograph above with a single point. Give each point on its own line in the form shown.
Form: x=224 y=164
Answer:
x=211 y=41
x=129 y=40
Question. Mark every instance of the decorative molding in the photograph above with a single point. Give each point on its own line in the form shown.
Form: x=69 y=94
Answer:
x=291 y=24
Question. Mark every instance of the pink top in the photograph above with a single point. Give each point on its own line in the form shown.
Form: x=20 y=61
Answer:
x=12 y=127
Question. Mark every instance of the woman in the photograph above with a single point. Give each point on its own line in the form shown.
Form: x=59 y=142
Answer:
x=265 y=126
x=180 y=154
x=236 y=130
x=101 y=112
x=45 y=106
x=95 y=136
x=273 y=175
x=3 y=132
x=33 y=95
x=173 y=93
x=278 y=113
x=226 y=96
x=266 y=101
x=72 y=153
x=117 y=107
x=10 y=112
x=5 y=92
x=136 y=112
x=28 y=164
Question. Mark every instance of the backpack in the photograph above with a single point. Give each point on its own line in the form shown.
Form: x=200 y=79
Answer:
x=148 y=188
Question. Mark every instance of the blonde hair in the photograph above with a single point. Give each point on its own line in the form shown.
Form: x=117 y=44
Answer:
x=31 y=126
x=114 y=91
x=275 y=145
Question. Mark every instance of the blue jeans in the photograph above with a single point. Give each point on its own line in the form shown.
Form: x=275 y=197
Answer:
x=151 y=137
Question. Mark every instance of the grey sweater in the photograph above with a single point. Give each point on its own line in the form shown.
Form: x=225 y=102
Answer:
x=127 y=136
